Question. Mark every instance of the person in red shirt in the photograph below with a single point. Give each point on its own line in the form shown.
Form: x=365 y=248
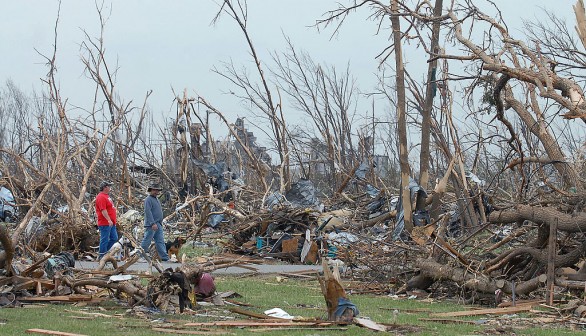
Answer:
x=106 y=213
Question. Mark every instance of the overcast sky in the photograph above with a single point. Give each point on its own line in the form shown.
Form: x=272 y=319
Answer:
x=162 y=44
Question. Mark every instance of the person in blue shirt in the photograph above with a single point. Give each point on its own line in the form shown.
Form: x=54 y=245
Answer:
x=153 y=223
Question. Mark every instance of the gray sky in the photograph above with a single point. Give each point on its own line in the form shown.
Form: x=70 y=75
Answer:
x=162 y=44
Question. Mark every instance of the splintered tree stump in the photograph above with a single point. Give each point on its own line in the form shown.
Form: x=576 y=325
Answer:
x=332 y=290
x=8 y=254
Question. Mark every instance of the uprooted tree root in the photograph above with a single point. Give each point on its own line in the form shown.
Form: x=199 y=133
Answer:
x=156 y=294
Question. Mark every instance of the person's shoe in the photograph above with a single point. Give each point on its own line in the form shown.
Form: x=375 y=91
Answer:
x=165 y=260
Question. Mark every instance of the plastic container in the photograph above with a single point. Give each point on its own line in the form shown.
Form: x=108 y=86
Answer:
x=260 y=242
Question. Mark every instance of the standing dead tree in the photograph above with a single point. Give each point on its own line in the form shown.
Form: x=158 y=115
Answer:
x=401 y=116
x=327 y=97
x=260 y=97
x=522 y=84
x=66 y=157
x=507 y=60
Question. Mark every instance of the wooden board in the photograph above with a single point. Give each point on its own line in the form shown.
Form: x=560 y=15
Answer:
x=312 y=255
x=190 y=332
x=369 y=324
x=250 y=313
x=51 y=332
x=290 y=245
x=447 y=321
x=277 y=324
x=62 y=298
x=521 y=303
x=493 y=311
x=34 y=266
x=297 y=328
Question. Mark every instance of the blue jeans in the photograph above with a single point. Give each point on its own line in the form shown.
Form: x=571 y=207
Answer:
x=149 y=234
x=108 y=236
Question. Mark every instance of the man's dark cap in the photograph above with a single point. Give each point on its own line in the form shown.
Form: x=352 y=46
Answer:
x=104 y=185
x=154 y=186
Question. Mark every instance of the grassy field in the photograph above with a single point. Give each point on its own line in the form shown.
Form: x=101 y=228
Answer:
x=297 y=297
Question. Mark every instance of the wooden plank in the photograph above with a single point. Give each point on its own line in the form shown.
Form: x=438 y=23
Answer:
x=493 y=311
x=89 y=313
x=35 y=265
x=521 y=303
x=447 y=321
x=290 y=245
x=238 y=303
x=5 y=281
x=62 y=298
x=297 y=328
x=369 y=324
x=307 y=272
x=312 y=255
x=34 y=284
x=15 y=280
x=284 y=323
x=190 y=332
x=250 y=313
x=30 y=284
x=402 y=310
x=51 y=332
x=298 y=275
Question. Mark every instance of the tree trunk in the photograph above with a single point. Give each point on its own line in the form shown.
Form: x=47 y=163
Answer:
x=428 y=103
x=476 y=282
x=401 y=116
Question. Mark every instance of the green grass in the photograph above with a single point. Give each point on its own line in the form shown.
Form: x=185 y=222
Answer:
x=192 y=252
x=297 y=297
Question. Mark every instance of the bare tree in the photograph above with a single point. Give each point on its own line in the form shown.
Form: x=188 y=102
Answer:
x=327 y=97
x=259 y=97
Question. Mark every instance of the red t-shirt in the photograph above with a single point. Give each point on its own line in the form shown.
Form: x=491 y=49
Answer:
x=104 y=202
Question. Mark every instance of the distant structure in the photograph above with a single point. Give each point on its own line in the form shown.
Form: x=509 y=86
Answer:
x=232 y=151
x=249 y=140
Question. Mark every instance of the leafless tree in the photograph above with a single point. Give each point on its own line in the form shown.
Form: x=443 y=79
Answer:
x=328 y=98
x=258 y=96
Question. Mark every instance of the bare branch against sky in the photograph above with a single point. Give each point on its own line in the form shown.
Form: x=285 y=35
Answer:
x=161 y=45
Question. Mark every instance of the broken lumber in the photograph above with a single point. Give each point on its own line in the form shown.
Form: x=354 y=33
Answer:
x=264 y=323
x=447 y=321
x=250 y=313
x=369 y=324
x=521 y=303
x=51 y=332
x=491 y=311
x=62 y=298
x=35 y=265
x=298 y=328
x=189 y=332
